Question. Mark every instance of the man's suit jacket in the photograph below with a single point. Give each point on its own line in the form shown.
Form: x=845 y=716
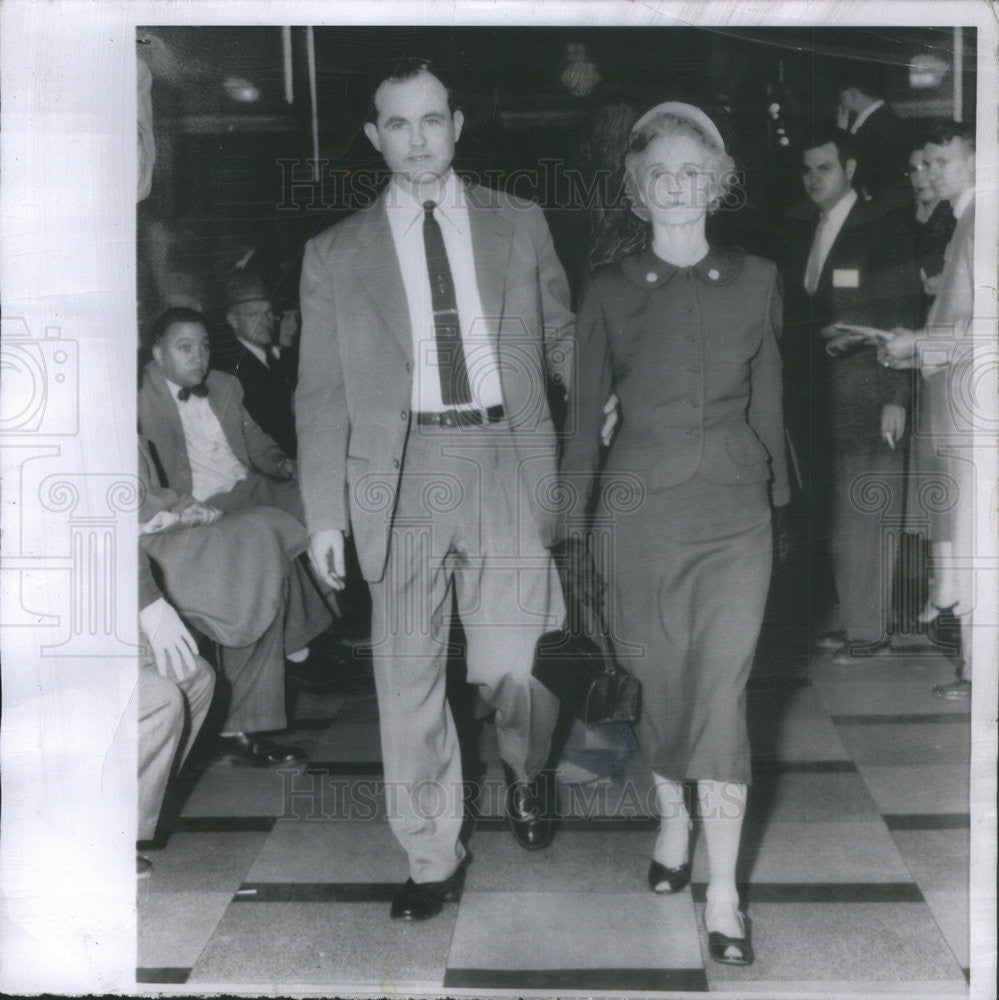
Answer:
x=160 y=423
x=884 y=142
x=267 y=391
x=860 y=283
x=356 y=368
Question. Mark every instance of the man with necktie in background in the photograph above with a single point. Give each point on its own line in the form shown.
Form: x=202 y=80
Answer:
x=433 y=322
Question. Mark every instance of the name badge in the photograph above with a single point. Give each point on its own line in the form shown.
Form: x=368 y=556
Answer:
x=845 y=277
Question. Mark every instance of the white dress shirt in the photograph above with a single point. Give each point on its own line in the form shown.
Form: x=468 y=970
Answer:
x=405 y=216
x=963 y=201
x=825 y=235
x=214 y=465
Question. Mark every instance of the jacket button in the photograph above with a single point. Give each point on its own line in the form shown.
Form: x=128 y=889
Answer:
x=404 y=415
x=409 y=367
x=693 y=369
x=395 y=463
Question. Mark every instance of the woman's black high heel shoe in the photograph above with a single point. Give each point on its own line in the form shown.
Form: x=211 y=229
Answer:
x=730 y=950
x=668 y=880
x=945 y=630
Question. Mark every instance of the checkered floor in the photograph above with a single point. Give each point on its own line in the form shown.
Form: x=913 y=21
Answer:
x=854 y=862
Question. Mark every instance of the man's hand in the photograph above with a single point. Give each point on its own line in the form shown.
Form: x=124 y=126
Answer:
x=892 y=424
x=900 y=351
x=612 y=414
x=199 y=513
x=326 y=556
x=288 y=469
x=174 y=648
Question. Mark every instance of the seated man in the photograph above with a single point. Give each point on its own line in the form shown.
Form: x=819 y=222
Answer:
x=247 y=349
x=236 y=578
x=175 y=690
x=207 y=443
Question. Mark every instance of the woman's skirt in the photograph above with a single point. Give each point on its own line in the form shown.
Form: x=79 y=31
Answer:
x=689 y=571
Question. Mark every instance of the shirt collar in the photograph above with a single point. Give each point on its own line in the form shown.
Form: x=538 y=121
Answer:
x=716 y=267
x=256 y=350
x=962 y=203
x=862 y=116
x=404 y=201
x=838 y=213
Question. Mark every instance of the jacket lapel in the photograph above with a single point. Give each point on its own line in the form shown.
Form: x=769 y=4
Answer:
x=377 y=267
x=492 y=235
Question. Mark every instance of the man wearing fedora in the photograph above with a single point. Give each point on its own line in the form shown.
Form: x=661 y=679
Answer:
x=246 y=349
x=433 y=322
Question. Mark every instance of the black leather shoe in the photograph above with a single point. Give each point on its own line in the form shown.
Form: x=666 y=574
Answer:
x=731 y=950
x=259 y=750
x=423 y=900
x=666 y=880
x=530 y=805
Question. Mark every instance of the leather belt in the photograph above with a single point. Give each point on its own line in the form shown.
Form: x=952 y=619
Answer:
x=460 y=418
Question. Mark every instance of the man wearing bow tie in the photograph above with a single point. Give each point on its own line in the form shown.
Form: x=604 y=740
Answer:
x=433 y=322
x=209 y=448
x=206 y=442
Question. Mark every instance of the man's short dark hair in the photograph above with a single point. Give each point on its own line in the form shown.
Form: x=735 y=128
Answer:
x=868 y=78
x=172 y=316
x=846 y=145
x=406 y=69
x=943 y=132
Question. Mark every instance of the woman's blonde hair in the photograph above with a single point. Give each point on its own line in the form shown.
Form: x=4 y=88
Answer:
x=721 y=166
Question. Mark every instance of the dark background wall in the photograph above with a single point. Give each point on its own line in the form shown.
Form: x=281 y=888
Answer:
x=233 y=176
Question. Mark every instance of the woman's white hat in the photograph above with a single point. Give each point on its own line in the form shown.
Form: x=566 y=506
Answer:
x=694 y=115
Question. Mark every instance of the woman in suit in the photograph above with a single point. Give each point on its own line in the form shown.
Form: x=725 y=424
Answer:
x=685 y=335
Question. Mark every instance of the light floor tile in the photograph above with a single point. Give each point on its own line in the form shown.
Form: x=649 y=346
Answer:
x=595 y=862
x=497 y=930
x=951 y=911
x=938 y=859
x=917 y=788
x=174 y=927
x=795 y=738
x=813 y=852
x=334 y=944
x=891 y=944
x=330 y=851
x=889 y=696
x=789 y=797
x=909 y=743
x=203 y=862
x=240 y=790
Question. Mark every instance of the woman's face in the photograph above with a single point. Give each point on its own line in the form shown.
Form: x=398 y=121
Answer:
x=674 y=180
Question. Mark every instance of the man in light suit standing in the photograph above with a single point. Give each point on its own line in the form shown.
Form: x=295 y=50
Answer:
x=433 y=321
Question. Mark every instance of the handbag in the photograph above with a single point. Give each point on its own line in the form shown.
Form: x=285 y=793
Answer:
x=576 y=663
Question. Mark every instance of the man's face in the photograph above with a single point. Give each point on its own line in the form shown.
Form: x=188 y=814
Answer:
x=919 y=178
x=951 y=168
x=415 y=131
x=182 y=354
x=826 y=180
x=253 y=321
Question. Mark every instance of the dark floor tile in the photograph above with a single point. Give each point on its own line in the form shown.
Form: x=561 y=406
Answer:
x=165 y=975
x=578 y=980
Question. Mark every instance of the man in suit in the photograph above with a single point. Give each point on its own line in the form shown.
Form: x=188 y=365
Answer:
x=431 y=322
x=846 y=412
x=209 y=449
x=944 y=353
x=247 y=350
x=174 y=692
x=882 y=140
